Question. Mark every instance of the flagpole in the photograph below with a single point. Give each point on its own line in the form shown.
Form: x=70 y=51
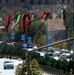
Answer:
x=28 y=57
x=65 y=24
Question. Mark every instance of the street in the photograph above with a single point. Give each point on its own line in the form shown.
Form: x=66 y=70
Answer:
x=8 y=71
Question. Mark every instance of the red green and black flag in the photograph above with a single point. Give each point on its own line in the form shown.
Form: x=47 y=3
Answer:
x=22 y=22
x=47 y=15
x=7 y=22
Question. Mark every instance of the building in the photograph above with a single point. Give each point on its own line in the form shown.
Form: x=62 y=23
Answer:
x=56 y=29
x=12 y=3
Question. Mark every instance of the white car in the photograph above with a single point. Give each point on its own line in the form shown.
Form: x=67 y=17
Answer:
x=56 y=55
x=8 y=65
x=64 y=51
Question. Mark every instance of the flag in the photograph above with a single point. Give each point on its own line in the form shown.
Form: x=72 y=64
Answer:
x=12 y=17
x=7 y=22
x=47 y=15
x=41 y=15
x=22 y=22
x=17 y=18
x=29 y=20
x=64 y=17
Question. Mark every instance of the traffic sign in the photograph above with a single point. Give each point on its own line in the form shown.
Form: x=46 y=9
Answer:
x=29 y=40
x=49 y=41
x=12 y=36
x=22 y=37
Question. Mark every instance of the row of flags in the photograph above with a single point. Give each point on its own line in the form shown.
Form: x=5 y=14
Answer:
x=27 y=19
x=24 y=19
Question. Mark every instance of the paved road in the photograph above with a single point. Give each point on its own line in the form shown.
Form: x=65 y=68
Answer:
x=8 y=72
x=11 y=71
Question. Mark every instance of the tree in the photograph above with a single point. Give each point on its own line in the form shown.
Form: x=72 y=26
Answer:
x=33 y=29
x=34 y=68
x=6 y=11
x=69 y=17
x=64 y=45
x=40 y=39
x=20 y=9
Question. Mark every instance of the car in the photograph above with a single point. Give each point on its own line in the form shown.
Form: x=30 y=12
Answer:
x=64 y=51
x=50 y=55
x=8 y=66
x=56 y=55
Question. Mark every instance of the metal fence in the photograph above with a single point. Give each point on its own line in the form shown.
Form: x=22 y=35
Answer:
x=52 y=71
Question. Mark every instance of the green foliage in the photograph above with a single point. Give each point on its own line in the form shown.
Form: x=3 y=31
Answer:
x=21 y=69
x=40 y=39
x=33 y=30
x=34 y=24
x=71 y=71
x=64 y=45
x=11 y=50
x=69 y=17
x=6 y=10
x=20 y=9
x=34 y=55
x=34 y=68
x=14 y=51
x=9 y=11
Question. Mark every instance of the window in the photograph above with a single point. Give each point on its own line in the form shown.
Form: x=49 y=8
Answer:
x=51 y=2
x=46 y=2
x=32 y=2
x=0 y=1
x=6 y=1
x=68 y=1
x=39 y=2
x=62 y=1
x=22 y=1
x=73 y=1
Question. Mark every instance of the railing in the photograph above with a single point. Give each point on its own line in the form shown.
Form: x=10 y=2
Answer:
x=51 y=70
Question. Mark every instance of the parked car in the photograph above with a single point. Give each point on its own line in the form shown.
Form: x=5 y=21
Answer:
x=8 y=65
x=64 y=51
x=50 y=55
x=56 y=55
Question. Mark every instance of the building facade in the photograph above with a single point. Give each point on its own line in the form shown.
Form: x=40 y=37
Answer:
x=11 y=3
x=56 y=28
